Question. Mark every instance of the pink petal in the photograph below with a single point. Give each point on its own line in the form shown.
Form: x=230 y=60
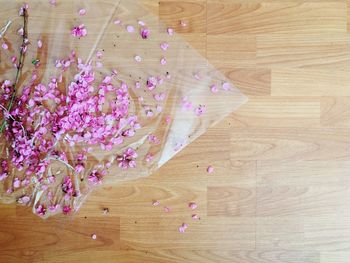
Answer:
x=130 y=29
x=192 y=205
x=195 y=217
x=4 y=46
x=40 y=43
x=141 y=23
x=164 y=46
x=155 y=203
x=167 y=209
x=138 y=58
x=82 y=11
x=226 y=86
x=170 y=31
x=163 y=61
x=183 y=23
x=210 y=169
x=93 y=236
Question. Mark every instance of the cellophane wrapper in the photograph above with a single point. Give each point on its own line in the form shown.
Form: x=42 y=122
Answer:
x=189 y=96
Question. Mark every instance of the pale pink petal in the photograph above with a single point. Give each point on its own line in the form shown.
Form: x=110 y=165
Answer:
x=183 y=23
x=226 y=86
x=94 y=236
x=170 y=31
x=130 y=29
x=141 y=23
x=214 y=89
x=117 y=22
x=40 y=43
x=210 y=169
x=137 y=58
x=195 y=217
x=167 y=209
x=82 y=11
x=192 y=205
x=164 y=46
x=163 y=61
x=4 y=46
x=155 y=203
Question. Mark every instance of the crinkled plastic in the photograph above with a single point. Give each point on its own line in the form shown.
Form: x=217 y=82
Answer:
x=173 y=93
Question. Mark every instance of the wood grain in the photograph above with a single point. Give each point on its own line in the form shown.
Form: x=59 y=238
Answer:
x=280 y=188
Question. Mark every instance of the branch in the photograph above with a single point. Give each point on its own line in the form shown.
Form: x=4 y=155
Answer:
x=20 y=65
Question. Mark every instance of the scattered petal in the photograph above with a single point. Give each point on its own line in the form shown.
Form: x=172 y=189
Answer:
x=167 y=209
x=195 y=217
x=200 y=110
x=82 y=12
x=138 y=58
x=155 y=203
x=214 y=89
x=192 y=205
x=117 y=22
x=130 y=29
x=163 y=61
x=145 y=32
x=170 y=31
x=4 y=46
x=183 y=23
x=94 y=236
x=40 y=43
x=210 y=169
x=164 y=46
x=226 y=86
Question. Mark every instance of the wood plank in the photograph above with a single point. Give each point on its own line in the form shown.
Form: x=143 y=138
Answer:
x=231 y=201
x=236 y=51
x=309 y=82
x=265 y=111
x=335 y=112
x=280 y=17
x=328 y=51
x=238 y=233
x=290 y=144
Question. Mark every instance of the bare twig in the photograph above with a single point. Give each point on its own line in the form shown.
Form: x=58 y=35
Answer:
x=21 y=61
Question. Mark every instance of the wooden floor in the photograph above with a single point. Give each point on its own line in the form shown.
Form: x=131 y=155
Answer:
x=281 y=187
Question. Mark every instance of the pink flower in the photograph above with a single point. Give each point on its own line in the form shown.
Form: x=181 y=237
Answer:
x=95 y=177
x=200 y=110
x=79 y=31
x=40 y=210
x=214 y=89
x=153 y=138
x=16 y=183
x=23 y=200
x=210 y=169
x=127 y=159
x=66 y=209
x=192 y=205
x=67 y=185
x=145 y=32
x=163 y=61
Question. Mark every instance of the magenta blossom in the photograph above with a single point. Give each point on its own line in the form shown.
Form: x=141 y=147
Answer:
x=145 y=32
x=79 y=31
x=127 y=159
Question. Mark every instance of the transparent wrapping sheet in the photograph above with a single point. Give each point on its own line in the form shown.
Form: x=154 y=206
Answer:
x=168 y=104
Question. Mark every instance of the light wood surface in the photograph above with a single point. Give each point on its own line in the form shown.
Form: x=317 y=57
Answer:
x=280 y=191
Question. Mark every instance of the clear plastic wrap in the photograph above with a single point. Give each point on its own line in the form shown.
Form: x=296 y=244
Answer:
x=151 y=94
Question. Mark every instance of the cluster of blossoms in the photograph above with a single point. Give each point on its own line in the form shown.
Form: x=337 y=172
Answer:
x=45 y=119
